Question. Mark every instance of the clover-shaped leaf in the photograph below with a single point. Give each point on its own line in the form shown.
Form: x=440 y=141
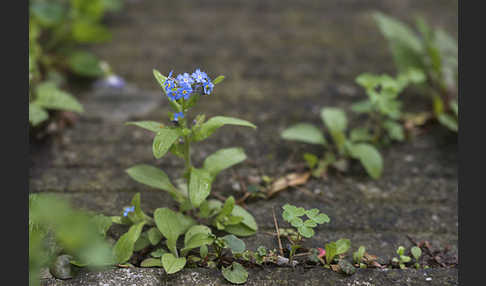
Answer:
x=310 y=223
x=317 y=217
x=305 y=231
x=291 y=212
x=297 y=222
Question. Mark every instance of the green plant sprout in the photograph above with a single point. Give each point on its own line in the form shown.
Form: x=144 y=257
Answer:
x=402 y=259
x=192 y=191
x=383 y=106
x=358 y=257
x=416 y=253
x=293 y=214
x=431 y=51
x=343 y=148
x=335 y=249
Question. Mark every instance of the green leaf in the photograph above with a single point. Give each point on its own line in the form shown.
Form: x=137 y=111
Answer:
x=160 y=78
x=416 y=252
x=342 y=246
x=304 y=132
x=142 y=242
x=172 y=264
x=297 y=222
x=240 y=230
x=364 y=106
x=196 y=229
x=311 y=160
x=360 y=134
x=199 y=186
x=306 y=231
x=153 y=126
x=197 y=240
x=163 y=140
x=123 y=248
x=405 y=45
x=210 y=126
x=158 y=253
x=197 y=236
x=291 y=212
x=37 y=114
x=87 y=31
x=234 y=243
x=316 y=216
x=151 y=262
x=103 y=223
x=369 y=157
x=331 y=249
x=153 y=177
x=248 y=219
x=358 y=255
x=50 y=97
x=235 y=273
x=335 y=119
x=223 y=159
x=454 y=107
x=85 y=64
x=48 y=13
x=218 y=79
x=171 y=224
x=154 y=236
x=448 y=121
x=394 y=130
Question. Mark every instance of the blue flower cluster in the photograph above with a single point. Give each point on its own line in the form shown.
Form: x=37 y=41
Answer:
x=184 y=85
x=128 y=210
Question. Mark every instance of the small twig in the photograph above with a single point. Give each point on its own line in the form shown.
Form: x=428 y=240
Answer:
x=242 y=200
x=278 y=232
x=219 y=196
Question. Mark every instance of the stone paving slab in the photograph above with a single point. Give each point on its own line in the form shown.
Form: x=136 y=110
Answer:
x=265 y=276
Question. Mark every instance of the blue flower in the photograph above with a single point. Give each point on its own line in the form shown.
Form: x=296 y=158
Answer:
x=178 y=115
x=170 y=86
x=184 y=90
x=185 y=79
x=208 y=87
x=199 y=76
x=170 y=74
x=128 y=210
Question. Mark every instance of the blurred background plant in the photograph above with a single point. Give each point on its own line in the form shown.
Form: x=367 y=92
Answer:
x=58 y=31
x=432 y=51
x=60 y=236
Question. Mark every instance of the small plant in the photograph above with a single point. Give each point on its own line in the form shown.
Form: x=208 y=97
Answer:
x=402 y=259
x=60 y=236
x=416 y=253
x=192 y=190
x=358 y=257
x=383 y=107
x=431 y=51
x=343 y=148
x=57 y=29
x=335 y=249
x=293 y=214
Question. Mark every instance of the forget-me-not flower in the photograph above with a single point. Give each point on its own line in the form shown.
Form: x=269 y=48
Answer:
x=199 y=76
x=208 y=87
x=184 y=90
x=128 y=210
x=185 y=78
x=178 y=115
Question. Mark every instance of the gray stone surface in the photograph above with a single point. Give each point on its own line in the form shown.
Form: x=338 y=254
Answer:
x=284 y=60
x=273 y=276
